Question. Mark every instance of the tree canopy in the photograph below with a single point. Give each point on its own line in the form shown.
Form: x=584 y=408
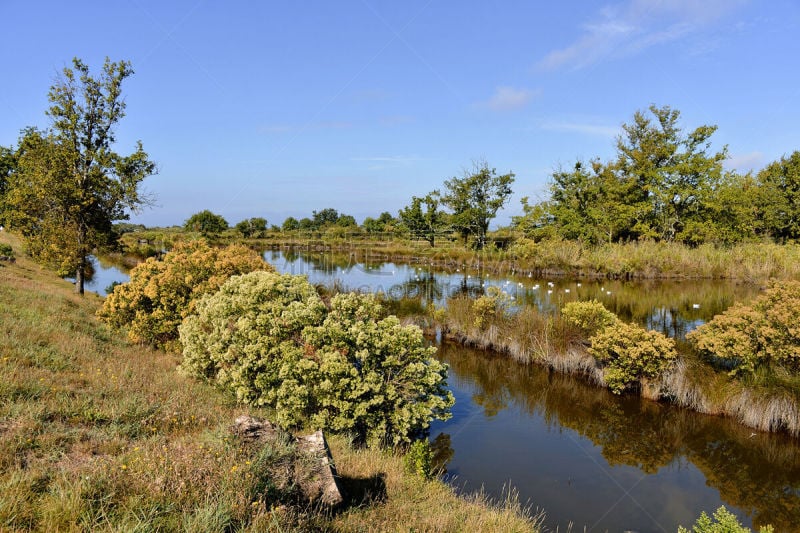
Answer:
x=427 y=223
x=206 y=222
x=69 y=185
x=475 y=198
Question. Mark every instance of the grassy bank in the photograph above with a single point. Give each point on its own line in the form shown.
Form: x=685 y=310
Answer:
x=98 y=434
x=767 y=402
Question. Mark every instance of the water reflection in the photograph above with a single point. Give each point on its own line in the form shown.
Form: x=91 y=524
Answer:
x=673 y=308
x=591 y=444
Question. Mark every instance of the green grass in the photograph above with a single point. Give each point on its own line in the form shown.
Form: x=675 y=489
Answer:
x=97 y=434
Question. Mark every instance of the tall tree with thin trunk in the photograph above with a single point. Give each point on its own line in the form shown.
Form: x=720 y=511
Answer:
x=475 y=199
x=70 y=185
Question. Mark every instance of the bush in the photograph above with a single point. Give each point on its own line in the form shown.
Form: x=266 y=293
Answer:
x=270 y=339
x=723 y=522
x=6 y=250
x=491 y=305
x=419 y=459
x=763 y=334
x=161 y=293
x=630 y=353
x=591 y=317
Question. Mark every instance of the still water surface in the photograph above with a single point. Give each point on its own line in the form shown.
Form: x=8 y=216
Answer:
x=584 y=456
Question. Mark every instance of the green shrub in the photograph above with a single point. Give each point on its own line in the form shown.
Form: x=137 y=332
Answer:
x=591 y=317
x=419 y=459
x=490 y=306
x=723 y=522
x=6 y=250
x=161 y=293
x=763 y=334
x=630 y=353
x=270 y=339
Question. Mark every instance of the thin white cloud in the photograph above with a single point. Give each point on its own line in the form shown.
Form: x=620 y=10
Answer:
x=509 y=98
x=597 y=130
x=635 y=25
x=745 y=162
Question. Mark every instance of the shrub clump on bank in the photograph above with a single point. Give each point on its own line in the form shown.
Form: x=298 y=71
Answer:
x=271 y=339
x=161 y=293
x=628 y=353
x=764 y=334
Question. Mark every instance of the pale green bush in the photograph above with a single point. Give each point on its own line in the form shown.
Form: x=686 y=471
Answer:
x=630 y=353
x=591 y=317
x=161 y=293
x=723 y=521
x=270 y=339
x=765 y=333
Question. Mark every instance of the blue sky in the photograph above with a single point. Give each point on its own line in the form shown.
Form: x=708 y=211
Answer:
x=279 y=108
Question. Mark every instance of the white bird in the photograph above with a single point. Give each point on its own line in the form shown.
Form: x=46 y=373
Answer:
x=695 y=306
x=579 y=284
x=550 y=284
x=549 y=291
x=535 y=287
x=608 y=293
x=566 y=291
x=530 y=274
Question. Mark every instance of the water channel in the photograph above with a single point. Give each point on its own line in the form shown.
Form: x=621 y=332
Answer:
x=586 y=457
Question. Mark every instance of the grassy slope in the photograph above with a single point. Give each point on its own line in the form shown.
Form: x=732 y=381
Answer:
x=97 y=434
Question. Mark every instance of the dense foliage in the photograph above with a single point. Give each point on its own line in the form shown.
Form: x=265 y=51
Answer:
x=255 y=227
x=206 y=222
x=723 y=521
x=67 y=185
x=591 y=316
x=490 y=306
x=668 y=185
x=270 y=339
x=161 y=293
x=424 y=223
x=763 y=334
x=628 y=353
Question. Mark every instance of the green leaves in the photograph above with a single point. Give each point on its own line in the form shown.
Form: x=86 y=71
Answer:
x=475 y=199
x=69 y=185
x=271 y=340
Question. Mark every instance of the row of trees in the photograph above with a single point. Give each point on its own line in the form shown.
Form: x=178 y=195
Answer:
x=666 y=184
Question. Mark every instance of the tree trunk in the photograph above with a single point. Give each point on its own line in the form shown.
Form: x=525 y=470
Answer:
x=79 y=275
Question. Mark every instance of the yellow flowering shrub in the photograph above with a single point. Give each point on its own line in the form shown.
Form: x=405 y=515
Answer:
x=765 y=333
x=161 y=293
x=591 y=317
x=271 y=340
x=490 y=306
x=629 y=353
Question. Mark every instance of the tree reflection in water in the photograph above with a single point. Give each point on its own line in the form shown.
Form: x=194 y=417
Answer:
x=756 y=473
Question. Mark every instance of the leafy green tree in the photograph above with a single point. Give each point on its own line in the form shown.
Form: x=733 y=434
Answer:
x=290 y=224
x=307 y=224
x=206 y=223
x=780 y=181
x=324 y=217
x=346 y=221
x=475 y=199
x=70 y=186
x=424 y=223
x=8 y=164
x=674 y=173
x=252 y=227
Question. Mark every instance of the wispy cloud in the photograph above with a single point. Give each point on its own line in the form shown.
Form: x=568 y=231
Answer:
x=745 y=162
x=508 y=99
x=584 y=128
x=635 y=25
x=290 y=128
